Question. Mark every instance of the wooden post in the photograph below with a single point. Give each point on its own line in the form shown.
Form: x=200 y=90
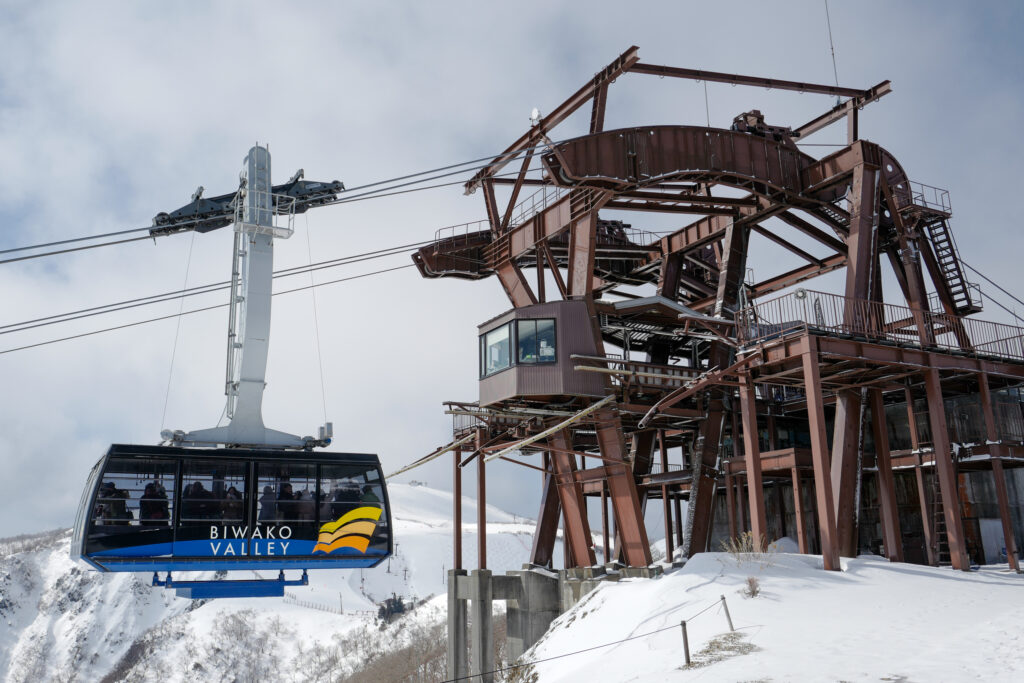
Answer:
x=891 y=535
x=728 y=616
x=686 y=643
x=820 y=457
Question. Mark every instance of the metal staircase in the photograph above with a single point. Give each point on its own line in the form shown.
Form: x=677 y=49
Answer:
x=946 y=255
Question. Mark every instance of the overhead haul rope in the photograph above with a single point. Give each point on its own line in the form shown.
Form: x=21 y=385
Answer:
x=199 y=290
x=195 y=310
x=832 y=46
x=177 y=331
x=344 y=198
x=316 y=323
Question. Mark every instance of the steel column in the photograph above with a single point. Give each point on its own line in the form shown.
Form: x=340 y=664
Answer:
x=481 y=503
x=547 y=520
x=819 y=457
x=926 y=516
x=752 y=456
x=577 y=539
x=730 y=506
x=457 y=508
x=948 y=481
x=891 y=535
x=798 y=510
x=845 y=469
x=995 y=446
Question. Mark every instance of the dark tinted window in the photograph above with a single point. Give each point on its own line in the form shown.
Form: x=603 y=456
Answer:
x=285 y=493
x=536 y=341
x=213 y=490
x=135 y=493
x=344 y=488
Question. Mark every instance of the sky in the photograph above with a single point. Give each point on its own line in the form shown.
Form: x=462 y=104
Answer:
x=112 y=112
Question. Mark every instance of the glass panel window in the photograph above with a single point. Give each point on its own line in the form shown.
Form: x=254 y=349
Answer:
x=345 y=488
x=135 y=493
x=213 y=490
x=536 y=341
x=546 y=341
x=497 y=349
x=286 y=494
x=527 y=341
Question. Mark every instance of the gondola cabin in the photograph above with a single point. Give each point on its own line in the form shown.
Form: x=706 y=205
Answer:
x=158 y=508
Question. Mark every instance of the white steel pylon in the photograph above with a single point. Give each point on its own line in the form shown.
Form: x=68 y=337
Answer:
x=249 y=319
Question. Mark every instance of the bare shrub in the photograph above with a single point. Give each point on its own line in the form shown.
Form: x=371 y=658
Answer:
x=753 y=588
x=746 y=548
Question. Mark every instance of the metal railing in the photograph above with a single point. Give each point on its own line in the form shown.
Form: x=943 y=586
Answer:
x=924 y=196
x=278 y=208
x=536 y=203
x=450 y=233
x=834 y=315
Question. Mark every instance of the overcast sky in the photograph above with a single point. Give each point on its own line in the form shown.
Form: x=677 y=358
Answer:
x=112 y=112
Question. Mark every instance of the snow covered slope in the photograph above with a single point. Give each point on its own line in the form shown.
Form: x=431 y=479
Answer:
x=60 y=621
x=872 y=621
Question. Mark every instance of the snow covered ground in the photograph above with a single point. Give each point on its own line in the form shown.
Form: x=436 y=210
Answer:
x=61 y=621
x=872 y=621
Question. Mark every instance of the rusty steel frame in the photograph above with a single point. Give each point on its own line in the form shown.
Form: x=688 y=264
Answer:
x=857 y=204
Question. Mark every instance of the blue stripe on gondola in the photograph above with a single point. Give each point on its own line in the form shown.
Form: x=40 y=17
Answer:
x=167 y=564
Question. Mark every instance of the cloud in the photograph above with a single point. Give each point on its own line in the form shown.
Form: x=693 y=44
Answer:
x=110 y=113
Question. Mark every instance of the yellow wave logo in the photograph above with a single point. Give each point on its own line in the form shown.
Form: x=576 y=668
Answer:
x=352 y=530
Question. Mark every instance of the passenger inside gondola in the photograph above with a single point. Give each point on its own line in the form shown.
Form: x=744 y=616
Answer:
x=153 y=510
x=232 y=506
x=347 y=497
x=267 y=506
x=112 y=507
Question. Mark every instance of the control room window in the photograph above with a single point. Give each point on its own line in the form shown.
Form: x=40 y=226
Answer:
x=497 y=349
x=536 y=341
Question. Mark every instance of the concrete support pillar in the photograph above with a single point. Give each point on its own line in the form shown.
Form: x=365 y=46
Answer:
x=891 y=535
x=531 y=611
x=482 y=642
x=457 y=628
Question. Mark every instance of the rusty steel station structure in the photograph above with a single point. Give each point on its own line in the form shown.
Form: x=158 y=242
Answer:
x=634 y=367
